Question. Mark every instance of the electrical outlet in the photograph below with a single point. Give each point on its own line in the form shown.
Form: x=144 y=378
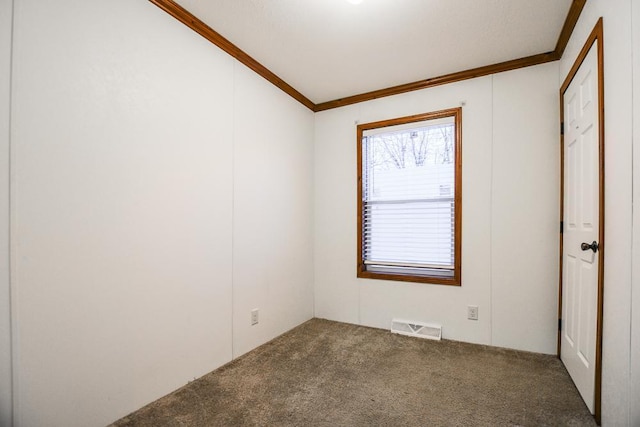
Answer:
x=472 y=312
x=254 y=316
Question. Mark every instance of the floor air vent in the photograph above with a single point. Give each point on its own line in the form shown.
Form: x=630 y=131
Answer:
x=416 y=329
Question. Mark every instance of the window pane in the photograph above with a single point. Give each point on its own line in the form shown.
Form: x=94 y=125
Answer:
x=408 y=197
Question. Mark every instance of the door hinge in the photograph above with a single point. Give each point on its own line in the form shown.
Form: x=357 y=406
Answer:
x=561 y=227
x=559 y=325
x=561 y=128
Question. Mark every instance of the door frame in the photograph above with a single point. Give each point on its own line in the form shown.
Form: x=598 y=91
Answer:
x=595 y=36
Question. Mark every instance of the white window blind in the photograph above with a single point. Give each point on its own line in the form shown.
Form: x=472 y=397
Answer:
x=408 y=179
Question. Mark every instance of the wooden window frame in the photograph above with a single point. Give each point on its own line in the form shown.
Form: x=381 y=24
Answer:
x=456 y=279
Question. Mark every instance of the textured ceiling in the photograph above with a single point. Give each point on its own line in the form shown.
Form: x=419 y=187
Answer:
x=328 y=49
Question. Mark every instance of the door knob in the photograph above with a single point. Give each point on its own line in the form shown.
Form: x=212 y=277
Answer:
x=593 y=246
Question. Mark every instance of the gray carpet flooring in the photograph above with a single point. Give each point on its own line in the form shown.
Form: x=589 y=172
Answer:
x=326 y=373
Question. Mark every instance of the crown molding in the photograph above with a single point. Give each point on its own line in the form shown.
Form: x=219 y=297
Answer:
x=441 y=80
x=191 y=21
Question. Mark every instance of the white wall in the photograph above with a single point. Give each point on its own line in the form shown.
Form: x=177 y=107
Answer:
x=132 y=223
x=510 y=153
x=616 y=401
x=525 y=210
x=634 y=395
x=273 y=213
x=5 y=308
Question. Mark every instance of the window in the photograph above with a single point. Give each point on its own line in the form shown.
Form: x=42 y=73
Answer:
x=410 y=198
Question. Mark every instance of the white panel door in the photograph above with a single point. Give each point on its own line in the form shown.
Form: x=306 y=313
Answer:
x=581 y=219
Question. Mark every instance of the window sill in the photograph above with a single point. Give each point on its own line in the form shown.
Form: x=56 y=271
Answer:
x=450 y=281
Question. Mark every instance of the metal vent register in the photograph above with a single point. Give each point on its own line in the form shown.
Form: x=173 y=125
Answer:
x=416 y=329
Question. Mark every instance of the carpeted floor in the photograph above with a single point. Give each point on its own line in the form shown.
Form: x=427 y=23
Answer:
x=326 y=373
